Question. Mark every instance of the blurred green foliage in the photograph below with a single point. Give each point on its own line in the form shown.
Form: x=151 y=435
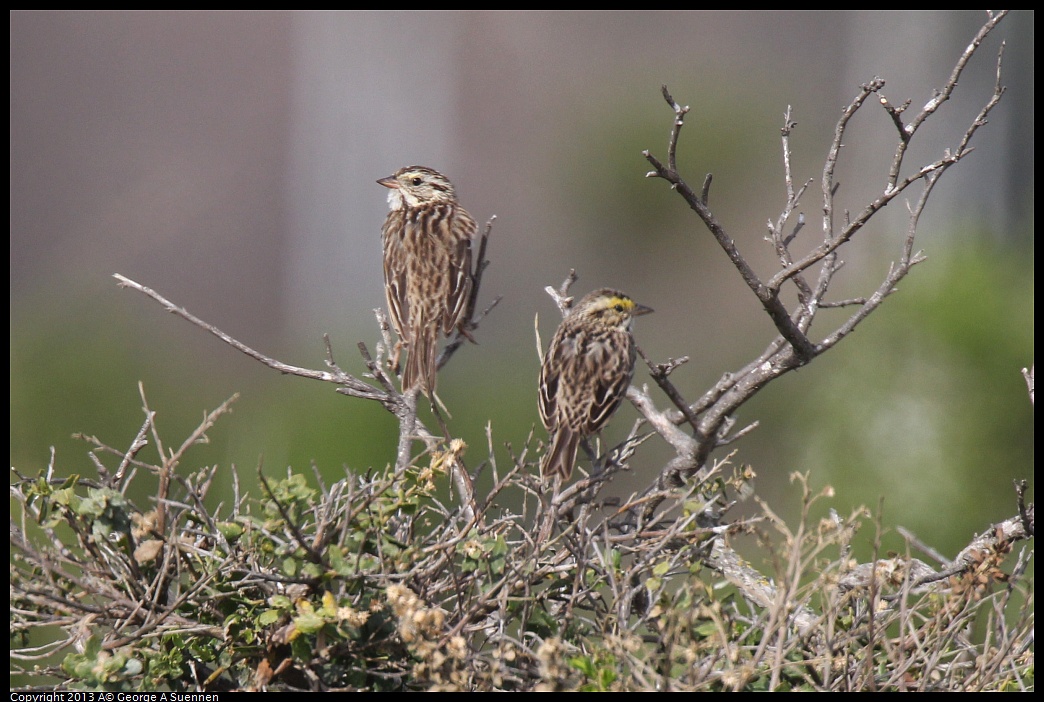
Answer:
x=923 y=406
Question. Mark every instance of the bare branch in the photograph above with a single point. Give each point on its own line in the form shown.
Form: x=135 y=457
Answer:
x=767 y=296
x=352 y=385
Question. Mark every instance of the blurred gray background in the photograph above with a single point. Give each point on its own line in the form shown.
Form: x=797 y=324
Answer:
x=228 y=160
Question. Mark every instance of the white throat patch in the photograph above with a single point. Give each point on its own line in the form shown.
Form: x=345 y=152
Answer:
x=395 y=199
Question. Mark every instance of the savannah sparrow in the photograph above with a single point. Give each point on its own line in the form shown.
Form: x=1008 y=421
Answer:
x=427 y=266
x=585 y=375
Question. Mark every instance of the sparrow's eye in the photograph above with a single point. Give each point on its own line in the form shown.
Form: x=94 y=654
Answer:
x=618 y=307
x=417 y=180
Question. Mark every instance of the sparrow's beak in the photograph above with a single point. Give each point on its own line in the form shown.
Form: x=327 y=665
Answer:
x=641 y=309
x=389 y=182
